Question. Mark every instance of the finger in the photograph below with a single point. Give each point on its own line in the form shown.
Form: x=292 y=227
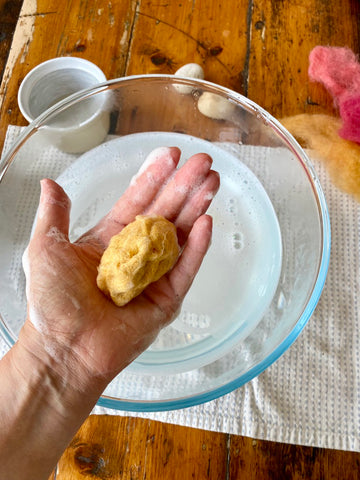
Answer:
x=54 y=211
x=197 y=205
x=187 y=180
x=157 y=168
x=155 y=171
x=183 y=274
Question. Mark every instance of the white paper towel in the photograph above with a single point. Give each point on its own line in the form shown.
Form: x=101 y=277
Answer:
x=311 y=395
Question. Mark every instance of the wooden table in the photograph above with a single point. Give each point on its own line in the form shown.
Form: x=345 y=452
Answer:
x=257 y=47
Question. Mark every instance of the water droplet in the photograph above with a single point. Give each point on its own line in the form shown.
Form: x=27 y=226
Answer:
x=281 y=303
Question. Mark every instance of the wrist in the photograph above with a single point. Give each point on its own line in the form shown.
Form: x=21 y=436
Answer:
x=40 y=412
x=55 y=368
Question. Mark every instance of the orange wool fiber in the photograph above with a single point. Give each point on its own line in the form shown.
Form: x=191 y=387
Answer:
x=319 y=133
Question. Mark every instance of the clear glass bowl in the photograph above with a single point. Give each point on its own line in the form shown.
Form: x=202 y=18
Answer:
x=266 y=268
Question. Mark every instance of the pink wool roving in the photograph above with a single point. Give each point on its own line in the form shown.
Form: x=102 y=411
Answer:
x=338 y=69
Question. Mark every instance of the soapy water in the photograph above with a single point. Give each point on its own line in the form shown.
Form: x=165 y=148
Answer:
x=238 y=278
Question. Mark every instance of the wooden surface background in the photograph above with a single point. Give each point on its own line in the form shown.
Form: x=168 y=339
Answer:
x=257 y=47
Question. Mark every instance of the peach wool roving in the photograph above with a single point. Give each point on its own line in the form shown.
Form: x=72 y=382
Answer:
x=319 y=133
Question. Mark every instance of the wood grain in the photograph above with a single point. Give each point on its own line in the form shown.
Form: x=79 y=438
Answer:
x=137 y=449
x=96 y=30
x=257 y=47
x=9 y=12
x=166 y=36
x=258 y=459
x=132 y=449
x=283 y=34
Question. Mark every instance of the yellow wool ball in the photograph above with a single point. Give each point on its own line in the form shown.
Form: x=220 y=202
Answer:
x=140 y=254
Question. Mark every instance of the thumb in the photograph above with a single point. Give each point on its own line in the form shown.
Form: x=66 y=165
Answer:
x=54 y=209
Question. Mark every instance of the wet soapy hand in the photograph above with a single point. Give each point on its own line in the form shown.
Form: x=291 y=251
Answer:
x=75 y=339
x=70 y=321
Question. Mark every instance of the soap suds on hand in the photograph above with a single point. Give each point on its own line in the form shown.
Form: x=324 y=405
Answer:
x=55 y=233
x=153 y=157
x=65 y=204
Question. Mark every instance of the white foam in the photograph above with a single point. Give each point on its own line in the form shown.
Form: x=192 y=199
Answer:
x=52 y=350
x=74 y=301
x=182 y=189
x=55 y=233
x=37 y=319
x=151 y=178
x=59 y=203
x=209 y=196
x=153 y=157
x=34 y=315
x=44 y=204
x=26 y=268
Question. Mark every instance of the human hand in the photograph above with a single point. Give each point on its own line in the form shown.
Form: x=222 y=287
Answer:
x=71 y=323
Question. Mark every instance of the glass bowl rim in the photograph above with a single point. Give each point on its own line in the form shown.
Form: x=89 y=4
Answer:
x=292 y=144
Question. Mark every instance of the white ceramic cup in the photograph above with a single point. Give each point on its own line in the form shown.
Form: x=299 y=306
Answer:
x=81 y=126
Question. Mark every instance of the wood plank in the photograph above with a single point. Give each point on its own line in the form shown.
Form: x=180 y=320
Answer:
x=132 y=448
x=169 y=35
x=96 y=30
x=136 y=449
x=9 y=13
x=282 y=36
x=259 y=49
x=266 y=460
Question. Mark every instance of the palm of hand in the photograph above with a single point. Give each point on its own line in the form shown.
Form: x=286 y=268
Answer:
x=66 y=308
